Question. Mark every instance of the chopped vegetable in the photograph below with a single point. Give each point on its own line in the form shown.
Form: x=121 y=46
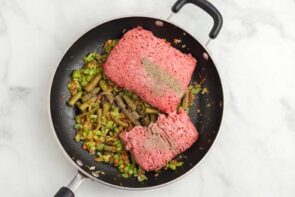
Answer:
x=88 y=58
x=92 y=93
x=185 y=101
x=129 y=102
x=75 y=98
x=90 y=86
x=151 y=111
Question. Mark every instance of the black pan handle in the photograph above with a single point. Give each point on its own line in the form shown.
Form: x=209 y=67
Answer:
x=72 y=186
x=207 y=7
x=64 y=192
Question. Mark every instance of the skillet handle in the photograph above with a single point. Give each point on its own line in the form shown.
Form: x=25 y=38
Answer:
x=207 y=7
x=64 y=192
x=72 y=186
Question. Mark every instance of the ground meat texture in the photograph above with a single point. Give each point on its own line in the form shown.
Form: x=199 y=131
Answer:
x=153 y=146
x=151 y=68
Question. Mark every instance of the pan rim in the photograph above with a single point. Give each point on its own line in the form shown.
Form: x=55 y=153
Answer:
x=77 y=167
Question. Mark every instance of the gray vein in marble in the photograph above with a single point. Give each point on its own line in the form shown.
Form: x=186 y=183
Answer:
x=225 y=182
x=260 y=16
x=233 y=106
x=18 y=93
x=201 y=182
x=2 y=25
x=14 y=7
x=290 y=114
x=4 y=60
x=5 y=133
x=4 y=70
x=8 y=102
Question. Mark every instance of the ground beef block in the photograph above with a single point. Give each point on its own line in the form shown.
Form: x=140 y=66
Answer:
x=150 y=67
x=155 y=145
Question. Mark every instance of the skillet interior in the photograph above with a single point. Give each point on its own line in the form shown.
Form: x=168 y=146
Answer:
x=207 y=121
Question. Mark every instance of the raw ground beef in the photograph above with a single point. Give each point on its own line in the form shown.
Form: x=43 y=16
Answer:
x=153 y=146
x=151 y=68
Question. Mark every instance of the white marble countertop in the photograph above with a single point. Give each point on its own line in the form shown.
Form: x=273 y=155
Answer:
x=255 y=52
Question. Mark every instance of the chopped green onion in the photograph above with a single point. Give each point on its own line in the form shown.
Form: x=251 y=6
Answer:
x=89 y=57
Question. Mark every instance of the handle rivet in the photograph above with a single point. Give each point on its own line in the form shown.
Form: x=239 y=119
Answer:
x=205 y=56
x=159 y=23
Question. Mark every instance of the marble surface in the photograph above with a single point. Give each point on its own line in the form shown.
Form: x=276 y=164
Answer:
x=255 y=52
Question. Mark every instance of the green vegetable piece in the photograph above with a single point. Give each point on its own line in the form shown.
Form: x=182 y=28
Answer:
x=109 y=45
x=84 y=81
x=109 y=124
x=86 y=71
x=141 y=177
x=126 y=169
x=115 y=111
x=106 y=158
x=78 y=119
x=120 y=122
x=172 y=166
x=108 y=148
x=119 y=148
x=75 y=98
x=78 y=126
x=151 y=111
x=130 y=171
x=83 y=106
x=120 y=102
x=93 y=83
x=185 y=101
x=99 y=154
x=103 y=86
x=88 y=78
x=135 y=171
x=205 y=91
x=88 y=58
x=196 y=89
x=92 y=93
x=100 y=147
x=98 y=120
x=129 y=102
x=98 y=57
x=128 y=114
x=76 y=75
x=105 y=109
x=125 y=176
x=78 y=103
x=77 y=138
x=131 y=117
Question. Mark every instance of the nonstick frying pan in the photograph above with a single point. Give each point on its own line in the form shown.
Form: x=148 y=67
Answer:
x=206 y=113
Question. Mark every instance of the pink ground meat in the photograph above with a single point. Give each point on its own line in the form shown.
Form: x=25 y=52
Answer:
x=151 y=68
x=153 y=146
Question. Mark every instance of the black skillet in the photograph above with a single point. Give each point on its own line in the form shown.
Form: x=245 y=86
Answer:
x=206 y=112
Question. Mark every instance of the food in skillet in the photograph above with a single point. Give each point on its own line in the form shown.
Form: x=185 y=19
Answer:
x=151 y=68
x=105 y=111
